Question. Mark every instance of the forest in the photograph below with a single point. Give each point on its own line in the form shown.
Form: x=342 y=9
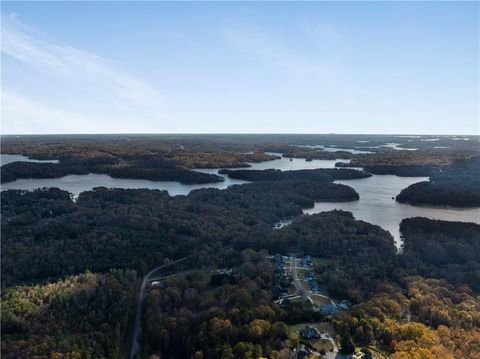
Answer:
x=323 y=174
x=80 y=316
x=71 y=270
x=394 y=308
x=385 y=159
x=456 y=185
x=108 y=228
x=442 y=249
x=50 y=239
x=142 y=167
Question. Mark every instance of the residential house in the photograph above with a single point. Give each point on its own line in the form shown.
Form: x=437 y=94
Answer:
x=310 y=333
x=307 y=261
x=301 y=352
x=328 y=309
x=278 y=259
x=344 y=305
x=225 y=271
x=309 y=276
x=313 y=285
x=278 y=291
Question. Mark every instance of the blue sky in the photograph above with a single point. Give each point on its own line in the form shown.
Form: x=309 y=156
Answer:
x=213 y=67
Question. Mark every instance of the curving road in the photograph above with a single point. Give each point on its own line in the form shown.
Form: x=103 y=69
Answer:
x=137 y=330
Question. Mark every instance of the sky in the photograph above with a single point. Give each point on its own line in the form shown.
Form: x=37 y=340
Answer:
x=240 y=67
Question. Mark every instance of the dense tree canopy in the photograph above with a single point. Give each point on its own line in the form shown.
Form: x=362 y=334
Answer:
x=82 y=316
x=69 y=268
x=456 y=185
x=322 y=174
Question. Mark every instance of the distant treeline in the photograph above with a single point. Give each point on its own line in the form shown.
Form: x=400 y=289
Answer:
x=140 y=168
x=323 y=174
x=455 y=185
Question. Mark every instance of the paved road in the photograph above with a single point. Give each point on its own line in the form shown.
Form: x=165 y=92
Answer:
x=300 y=289
x=137 y=330
x=329 y=338
x=296 y=282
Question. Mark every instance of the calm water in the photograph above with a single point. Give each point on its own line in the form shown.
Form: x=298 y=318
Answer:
x=375 y=205
x=76 y=184
x=5 y=159
x=335 y=149
x=286 y=164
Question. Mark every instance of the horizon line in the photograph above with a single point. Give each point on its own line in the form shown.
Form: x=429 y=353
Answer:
x=233 y=133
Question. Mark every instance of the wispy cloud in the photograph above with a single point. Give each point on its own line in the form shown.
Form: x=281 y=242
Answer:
x=284 y=56
x=24 y=115
x=95 y=84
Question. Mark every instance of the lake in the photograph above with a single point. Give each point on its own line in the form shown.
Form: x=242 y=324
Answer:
x=76 y=184
x=6 y=159
x=375 y=205
x=335 y=149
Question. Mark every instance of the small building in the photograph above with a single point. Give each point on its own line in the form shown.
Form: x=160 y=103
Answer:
x=328 y=309
x=358 y=355
x=309 y=276
x=302 y=352
x=278 y=259
x=225 y=271
x=277 y=276
x=307 y=261
x=155 y=284
x=279 y=268
x=310 y=333
x=344 y=305
x=313 y=285
x=278 y=291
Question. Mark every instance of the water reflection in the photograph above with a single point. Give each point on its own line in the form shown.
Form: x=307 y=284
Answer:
x=377 y=204
x=6 y=159
x=76 y=184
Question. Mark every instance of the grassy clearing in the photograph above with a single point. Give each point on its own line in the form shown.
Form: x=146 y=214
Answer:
x=318 y=300
x=322 y=344
x=160 y=277
x=301 y=273
x=321 y=261
x=296 y=300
